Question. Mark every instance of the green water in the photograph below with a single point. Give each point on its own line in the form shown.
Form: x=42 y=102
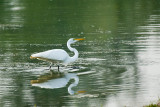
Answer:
x=118 y=62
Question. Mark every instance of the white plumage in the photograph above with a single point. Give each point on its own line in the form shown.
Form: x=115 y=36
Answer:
x=58 y=55
x=52 y=55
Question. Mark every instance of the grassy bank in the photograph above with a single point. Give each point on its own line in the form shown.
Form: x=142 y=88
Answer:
x=154 y=105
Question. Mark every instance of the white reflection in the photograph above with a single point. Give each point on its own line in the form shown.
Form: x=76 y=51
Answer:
x=151 y=28
x=57 y=80
x=141 y=83
x=17 y=8
x=13 y=9
x=148 y=65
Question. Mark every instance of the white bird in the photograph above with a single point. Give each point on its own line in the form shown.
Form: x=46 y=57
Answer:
x=58 y=55
x=59 y=82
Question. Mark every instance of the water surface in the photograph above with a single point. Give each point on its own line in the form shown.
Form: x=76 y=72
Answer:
x=119 y=59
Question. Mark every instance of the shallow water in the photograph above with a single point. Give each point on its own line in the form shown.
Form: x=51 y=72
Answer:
x=118 y=62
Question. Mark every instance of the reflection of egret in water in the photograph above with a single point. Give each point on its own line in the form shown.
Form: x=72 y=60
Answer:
x=57 y=80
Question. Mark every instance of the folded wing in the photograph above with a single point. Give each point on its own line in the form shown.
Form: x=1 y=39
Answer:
x=52 y=55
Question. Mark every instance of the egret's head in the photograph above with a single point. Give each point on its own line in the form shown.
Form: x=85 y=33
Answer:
x=73 y=40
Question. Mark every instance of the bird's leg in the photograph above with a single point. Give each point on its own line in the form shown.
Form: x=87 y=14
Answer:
x=50 y=66
x=58 y=68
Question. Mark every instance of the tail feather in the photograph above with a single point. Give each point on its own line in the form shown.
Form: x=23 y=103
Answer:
x=31 y=57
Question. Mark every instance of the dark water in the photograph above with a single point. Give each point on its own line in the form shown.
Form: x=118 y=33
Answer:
x=119 y=60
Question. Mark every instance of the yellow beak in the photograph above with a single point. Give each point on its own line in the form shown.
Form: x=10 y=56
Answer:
x=79 y=39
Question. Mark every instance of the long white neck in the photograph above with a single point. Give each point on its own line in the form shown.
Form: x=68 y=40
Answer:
x=75 y=57
x=70 y=91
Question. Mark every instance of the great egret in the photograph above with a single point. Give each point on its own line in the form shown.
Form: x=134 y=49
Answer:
x=58 y=55
x=57 y=81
